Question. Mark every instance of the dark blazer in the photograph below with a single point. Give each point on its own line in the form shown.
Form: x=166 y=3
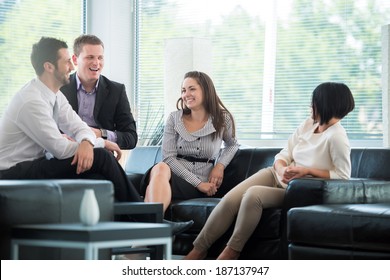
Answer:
x=112 y=109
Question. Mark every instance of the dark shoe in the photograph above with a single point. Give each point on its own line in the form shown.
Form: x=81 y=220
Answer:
x=179 y=227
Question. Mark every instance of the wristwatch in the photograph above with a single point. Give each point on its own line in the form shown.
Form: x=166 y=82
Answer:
x=104 y=133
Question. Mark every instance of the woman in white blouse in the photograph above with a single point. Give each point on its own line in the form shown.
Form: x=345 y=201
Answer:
x=318 y=148
x=193 y=156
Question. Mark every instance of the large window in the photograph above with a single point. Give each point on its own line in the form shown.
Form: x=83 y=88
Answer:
x=24 y=22
x=267 y=57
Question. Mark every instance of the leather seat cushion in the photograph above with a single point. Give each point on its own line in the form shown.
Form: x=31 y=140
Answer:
x=199 y=209
x=354 y=226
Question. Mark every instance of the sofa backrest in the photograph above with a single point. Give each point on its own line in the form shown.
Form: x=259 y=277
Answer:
x=373 y=163
x=370 y=163
x=245 y=163
x=140 y=159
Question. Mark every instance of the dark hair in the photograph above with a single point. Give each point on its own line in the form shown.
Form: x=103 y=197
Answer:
x=85 y=39
x=46 y=50
x=331 y=100
x=212 y=103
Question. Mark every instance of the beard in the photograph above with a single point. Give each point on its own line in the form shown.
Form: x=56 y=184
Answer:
x=63 y=79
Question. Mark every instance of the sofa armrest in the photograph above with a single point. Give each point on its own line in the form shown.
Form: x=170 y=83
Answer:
x=311 y=191
x=302 y=192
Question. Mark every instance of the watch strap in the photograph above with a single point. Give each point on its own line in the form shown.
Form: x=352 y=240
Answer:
x=104 y=133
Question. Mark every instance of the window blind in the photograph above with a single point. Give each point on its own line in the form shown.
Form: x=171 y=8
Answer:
x=268 y=56
x=23 y=23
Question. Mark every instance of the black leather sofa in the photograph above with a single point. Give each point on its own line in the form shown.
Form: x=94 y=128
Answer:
x=58 y=201
x=48 y=201
x=269 y=241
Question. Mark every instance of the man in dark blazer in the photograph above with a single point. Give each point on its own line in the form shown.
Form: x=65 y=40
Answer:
x=100 y=102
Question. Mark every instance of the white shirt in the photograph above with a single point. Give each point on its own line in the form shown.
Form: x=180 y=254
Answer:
x=28 y=128
x=329 y=150
x=177 y=140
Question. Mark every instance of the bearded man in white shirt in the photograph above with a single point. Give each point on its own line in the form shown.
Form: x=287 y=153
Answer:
x=32 y=123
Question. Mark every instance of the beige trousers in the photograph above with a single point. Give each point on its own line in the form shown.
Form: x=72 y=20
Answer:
x=245 y=201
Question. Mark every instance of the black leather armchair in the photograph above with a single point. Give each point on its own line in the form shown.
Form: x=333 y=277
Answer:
x=344 y=219
x=58 y=201
x=48 y=201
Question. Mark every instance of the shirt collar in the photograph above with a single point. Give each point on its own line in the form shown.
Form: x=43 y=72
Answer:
x=206 y=130
x=81 y=87
x=47 y=93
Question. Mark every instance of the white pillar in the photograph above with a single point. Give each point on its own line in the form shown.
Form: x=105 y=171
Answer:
x=267 y=118
x=386 y=84
x=182 y=55
x=112 y=22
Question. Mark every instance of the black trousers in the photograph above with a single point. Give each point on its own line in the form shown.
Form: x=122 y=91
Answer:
x=105 y=166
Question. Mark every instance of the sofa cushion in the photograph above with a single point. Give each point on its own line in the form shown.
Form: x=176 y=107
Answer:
x=353 y=226
x=136 y=180
x=197 y=209
x=264 y=241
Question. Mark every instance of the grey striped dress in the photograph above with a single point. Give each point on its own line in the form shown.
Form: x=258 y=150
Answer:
x=177 y=140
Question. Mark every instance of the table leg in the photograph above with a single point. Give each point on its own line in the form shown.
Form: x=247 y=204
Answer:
x=89 y=252
x=14 y=250
x=168 y=250
x=95 y=253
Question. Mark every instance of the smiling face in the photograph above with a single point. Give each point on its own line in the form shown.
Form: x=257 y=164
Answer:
x=90 y=63
x=63 y=68
x=192 y=94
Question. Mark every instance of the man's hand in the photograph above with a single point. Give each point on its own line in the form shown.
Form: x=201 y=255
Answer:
x=114 y=148
x=83 y=157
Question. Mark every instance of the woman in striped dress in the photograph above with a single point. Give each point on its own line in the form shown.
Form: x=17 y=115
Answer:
x=193 y=156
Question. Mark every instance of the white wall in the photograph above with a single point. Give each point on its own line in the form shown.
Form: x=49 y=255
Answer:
x=182 y=55
x=112 y=22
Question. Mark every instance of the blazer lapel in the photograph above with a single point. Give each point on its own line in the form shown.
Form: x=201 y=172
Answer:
x=101 y=95
x=71 y=93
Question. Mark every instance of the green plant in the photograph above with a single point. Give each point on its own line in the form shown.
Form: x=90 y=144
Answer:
x=152 y=130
